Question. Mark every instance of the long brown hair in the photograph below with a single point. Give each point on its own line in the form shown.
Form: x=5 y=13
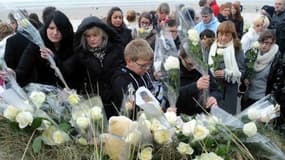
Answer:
x=229 y=27
x=237 y=16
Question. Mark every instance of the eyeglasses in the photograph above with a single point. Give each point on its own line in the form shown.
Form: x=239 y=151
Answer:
x=144 y=66
x=266 y=43
x=145 y=23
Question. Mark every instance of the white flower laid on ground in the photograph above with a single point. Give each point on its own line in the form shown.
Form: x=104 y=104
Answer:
x=208 y=156
x=146 y=154
x=249 y=129
x=38 y=98
x=82 y=122
x=171 y=63
x=73 y=99
x=96 y=113
x=185 y=149
x=171 y=117
x=162 y=136
x=11 y=112
x=24 y=119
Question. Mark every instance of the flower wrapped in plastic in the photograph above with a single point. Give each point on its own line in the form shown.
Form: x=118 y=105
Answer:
x=166 y=65
x=191 y=45
x=128 y=104
x=257 y=144
x=31 y=33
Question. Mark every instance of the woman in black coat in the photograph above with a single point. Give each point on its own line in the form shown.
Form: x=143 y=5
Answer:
x=115 y=20
x=57 y=35
x=98 y=52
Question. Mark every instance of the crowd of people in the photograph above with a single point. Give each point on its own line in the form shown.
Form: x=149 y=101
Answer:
x=105 y=55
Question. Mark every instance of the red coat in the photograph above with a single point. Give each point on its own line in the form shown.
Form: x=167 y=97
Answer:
x=215 y=7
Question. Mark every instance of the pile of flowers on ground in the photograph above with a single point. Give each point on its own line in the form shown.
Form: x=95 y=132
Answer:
x=61 y=122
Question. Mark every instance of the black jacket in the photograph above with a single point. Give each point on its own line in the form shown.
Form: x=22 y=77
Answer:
x=15 y=46
x=88 y=72
x=124 y=33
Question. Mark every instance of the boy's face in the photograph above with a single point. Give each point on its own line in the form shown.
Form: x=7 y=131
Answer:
x=140 y=67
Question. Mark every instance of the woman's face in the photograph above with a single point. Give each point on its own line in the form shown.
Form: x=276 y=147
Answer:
x=144 y=23
x=226 y=12
x=93 y=39
x=259 y=27
x=224 y=37
x=265 y=45
x=233 y=10
x=53 y=33
x=117 y=19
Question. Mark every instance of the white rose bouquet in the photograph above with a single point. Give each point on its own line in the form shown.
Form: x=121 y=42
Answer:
x=166 y=63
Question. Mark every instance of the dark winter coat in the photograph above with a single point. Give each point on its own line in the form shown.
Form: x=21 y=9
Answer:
x=239 y=26
x=91 y=75
x=124 y=33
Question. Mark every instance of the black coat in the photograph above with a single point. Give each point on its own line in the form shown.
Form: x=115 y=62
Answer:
x=239 y=27
x=88 y=72
x=15 y=46
x=124 y=33
x=189 y=91
x=33 y=68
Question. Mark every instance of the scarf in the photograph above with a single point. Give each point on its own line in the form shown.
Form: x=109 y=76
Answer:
x=98 y=52
x=263 y=60
x=232 y=73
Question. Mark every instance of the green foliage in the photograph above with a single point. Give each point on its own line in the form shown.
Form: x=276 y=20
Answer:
x=37 y=144
x=251 y=56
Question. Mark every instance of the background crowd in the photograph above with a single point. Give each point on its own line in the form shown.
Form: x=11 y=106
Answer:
x=103 y=56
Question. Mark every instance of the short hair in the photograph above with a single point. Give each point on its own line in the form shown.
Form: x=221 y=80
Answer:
x=267 y=34
x=131 y=15
x=146 y=15
x=206 y=11
x=5 y=30
x=261 y=19
x=98 y=31
x=47 y=12
x=207 y=33
x=163 y=7
x=229 y=27
x=138 y=49
x=202 y=3
x=171 y=23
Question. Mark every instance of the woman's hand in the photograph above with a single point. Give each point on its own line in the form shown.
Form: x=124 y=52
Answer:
x=219 y=74
x=203 y=82
x=45 y=52
x=211 y=102
x=5 y=74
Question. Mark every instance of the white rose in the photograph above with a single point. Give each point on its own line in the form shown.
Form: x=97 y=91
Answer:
x=73 y=99
x=255 y=45
x=209 y=156
x=24 y=119
x=10 y=112
x=96 y=113
x=266 y=118
x=220 y=51
x=38 y=98
x=252 y=114
x=171 y=63
x=156 y=125
x=134 y=137
x=193 y=35
x=82 y=122
x=171 y=117
x=184 y=149
x=188 y=128
x=249 y=129
x=200 y=132
x=161 y=136
x=146 y=154
x=58 y=137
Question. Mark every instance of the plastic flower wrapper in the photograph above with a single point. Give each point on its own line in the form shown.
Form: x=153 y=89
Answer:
x=151 y=107
x=256 y=143
x=166 y=65
x=54 y=136
x=128 y=104
x=263 y=110
x=31 y=33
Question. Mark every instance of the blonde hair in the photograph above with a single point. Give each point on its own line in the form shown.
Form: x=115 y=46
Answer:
x=97 y=31
x=138 y=49
x=5 y=30
x=261 y=19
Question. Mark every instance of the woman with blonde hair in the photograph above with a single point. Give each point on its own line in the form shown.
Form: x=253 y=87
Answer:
x=226 y=61
x=260 y=23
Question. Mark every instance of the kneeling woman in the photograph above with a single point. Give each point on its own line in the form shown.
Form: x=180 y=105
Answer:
x=98 y=52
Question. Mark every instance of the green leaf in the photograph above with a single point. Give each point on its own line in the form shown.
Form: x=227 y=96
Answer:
x=64 y=126
x=221 y=150
x=37 y=144
x=184 y=117
x=37 y=123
